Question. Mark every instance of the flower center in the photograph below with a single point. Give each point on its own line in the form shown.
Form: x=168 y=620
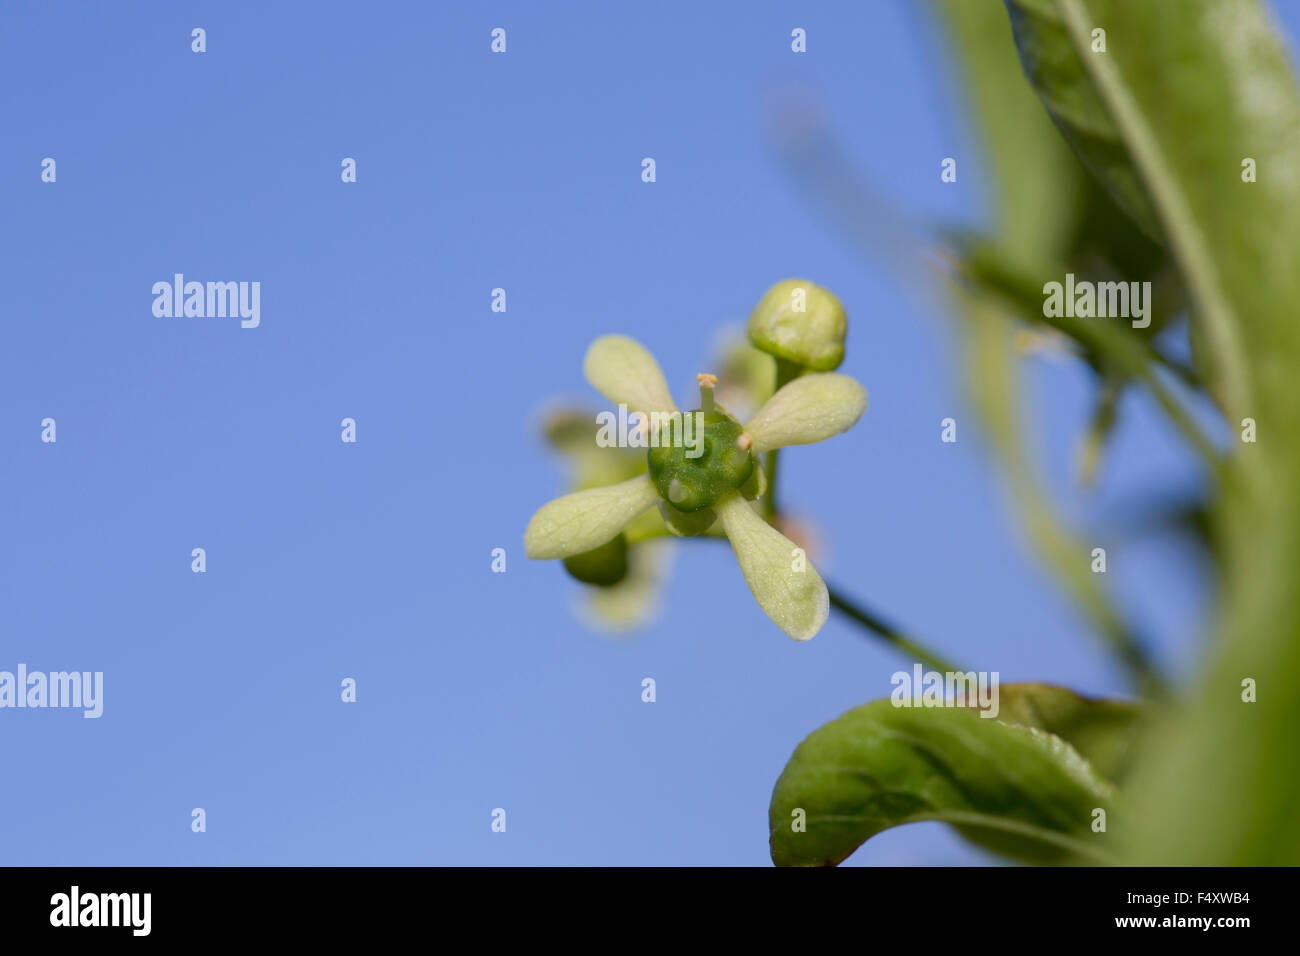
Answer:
x=703 y=462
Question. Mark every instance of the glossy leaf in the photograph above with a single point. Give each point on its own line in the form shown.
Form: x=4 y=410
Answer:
x=881 y=766
x=1054 y=60
x=1101 y=730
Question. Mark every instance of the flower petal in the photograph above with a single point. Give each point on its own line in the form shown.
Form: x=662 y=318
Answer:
x=587 y=519
x=626 y=373
x=795 y=600
x=811 y=408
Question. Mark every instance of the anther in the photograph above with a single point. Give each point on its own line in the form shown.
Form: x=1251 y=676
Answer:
x=706 y=382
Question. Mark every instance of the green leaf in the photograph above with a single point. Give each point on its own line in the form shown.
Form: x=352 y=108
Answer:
x=1085 y=233
x=1054 y=60
x=1165 y=117
x=1034 y=170
x=1101 y=730
x=881 y=766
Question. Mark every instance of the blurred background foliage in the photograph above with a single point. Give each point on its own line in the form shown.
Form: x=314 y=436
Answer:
x=1113 y=156
x=1191 y=90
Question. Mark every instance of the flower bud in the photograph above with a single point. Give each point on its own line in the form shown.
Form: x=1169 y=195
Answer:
x=604 y=566
x=800 y=322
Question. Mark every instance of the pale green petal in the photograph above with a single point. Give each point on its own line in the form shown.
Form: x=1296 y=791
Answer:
x=587 y=519
x=795 y=600
x=811 y=408
x=626 y=373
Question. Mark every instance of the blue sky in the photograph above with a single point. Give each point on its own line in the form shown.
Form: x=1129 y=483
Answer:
x=372 y=560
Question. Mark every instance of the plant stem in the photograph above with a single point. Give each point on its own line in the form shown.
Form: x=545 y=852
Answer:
x=892 y=636
x=769 y=472
x=786 y=372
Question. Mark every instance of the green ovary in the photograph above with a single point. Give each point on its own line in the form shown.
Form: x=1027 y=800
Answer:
x=721 y=468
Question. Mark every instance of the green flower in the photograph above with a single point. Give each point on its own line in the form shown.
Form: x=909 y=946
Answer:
x=706 y=475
